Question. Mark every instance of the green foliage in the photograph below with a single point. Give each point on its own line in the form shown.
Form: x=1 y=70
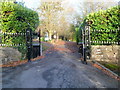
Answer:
x=112 y=66
x=15 y=19
x=115 y=68
x=79 y=32
x=42 y=38
x=23 y=50
x=105 y=21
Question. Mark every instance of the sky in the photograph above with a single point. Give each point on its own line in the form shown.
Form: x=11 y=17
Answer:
x=68 y=5
x=35 y=3
x=31 y=3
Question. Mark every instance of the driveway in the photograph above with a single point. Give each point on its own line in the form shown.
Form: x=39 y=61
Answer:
x=61 y=68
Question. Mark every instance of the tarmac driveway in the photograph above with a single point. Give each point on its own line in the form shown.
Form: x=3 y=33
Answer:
x=59 y=69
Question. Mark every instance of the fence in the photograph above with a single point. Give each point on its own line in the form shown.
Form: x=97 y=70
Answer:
x=105 y=37
x=12 y=39
x=22 y=41
x=88 y=37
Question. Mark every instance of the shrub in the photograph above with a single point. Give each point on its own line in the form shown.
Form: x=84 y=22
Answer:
x=16 y=18
x=104 y=25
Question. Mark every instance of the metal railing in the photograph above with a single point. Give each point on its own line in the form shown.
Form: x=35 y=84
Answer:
x=22 y=39
x=98 y=37
x=7 y=39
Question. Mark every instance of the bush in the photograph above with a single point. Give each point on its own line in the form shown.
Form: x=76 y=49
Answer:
x=104 y=19
x=15 y=19
x=79 y=32
x=104 y=25
x=107 y=21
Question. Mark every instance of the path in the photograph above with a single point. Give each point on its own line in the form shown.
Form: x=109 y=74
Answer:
x=61 y=68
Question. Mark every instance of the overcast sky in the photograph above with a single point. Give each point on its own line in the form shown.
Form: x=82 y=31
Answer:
x=69 y=5
x=35 y=3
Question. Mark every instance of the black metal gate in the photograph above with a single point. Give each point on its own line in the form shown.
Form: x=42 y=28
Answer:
x=85 y=45
x=32 y=51
x=88 y=40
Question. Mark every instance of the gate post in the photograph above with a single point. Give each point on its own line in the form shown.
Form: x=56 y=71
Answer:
x=40 y=42
x=84 y=46
x=29 y=43
x=86 y=42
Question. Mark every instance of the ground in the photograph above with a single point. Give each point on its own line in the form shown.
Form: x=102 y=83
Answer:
x=60 y=68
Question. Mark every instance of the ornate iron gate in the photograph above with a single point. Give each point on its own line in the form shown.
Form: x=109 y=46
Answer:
x=88 y=39
x=86 y=45
x=29 y=43
x=33 y=50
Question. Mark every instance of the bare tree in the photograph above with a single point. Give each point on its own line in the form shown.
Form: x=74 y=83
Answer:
x=49 y=13
x=91 y=6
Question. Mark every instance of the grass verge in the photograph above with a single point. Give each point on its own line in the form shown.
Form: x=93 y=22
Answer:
x=113 y=67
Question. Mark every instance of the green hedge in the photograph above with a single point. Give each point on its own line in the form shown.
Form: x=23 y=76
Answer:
x=15 y=19
x=107 y=21
x=79 y=32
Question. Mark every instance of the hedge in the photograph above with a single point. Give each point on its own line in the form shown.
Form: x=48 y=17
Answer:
x=16 y=18
x=104 y=25
x=104 y=19
x=79 y=32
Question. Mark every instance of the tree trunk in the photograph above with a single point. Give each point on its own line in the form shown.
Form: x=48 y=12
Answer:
x=50 y=35
x=57 y=36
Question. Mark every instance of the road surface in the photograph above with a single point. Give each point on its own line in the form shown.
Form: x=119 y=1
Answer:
x=61 y=68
